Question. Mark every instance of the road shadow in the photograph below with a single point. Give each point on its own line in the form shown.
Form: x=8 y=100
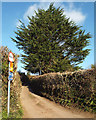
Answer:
x=25 y=80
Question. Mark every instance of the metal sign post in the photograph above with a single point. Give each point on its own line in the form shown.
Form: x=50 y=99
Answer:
x=8 y=97
x=10 y=77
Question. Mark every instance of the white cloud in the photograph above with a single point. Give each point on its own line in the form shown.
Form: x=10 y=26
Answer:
x=31 y=10
x=75 y=14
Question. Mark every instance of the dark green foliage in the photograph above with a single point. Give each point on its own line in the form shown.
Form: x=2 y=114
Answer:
x=51 y=42
x=24 y=78
x=77 y=89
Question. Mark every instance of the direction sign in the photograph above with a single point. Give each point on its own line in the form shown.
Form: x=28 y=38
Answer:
x=11 y=57
x=10 y=76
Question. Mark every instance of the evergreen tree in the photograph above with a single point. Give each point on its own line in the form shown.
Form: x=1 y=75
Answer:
x=51 y=43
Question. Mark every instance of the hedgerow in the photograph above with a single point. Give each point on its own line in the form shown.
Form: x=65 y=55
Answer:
x=76 y=89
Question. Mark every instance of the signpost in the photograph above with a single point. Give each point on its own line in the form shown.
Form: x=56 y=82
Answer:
x=10 y=77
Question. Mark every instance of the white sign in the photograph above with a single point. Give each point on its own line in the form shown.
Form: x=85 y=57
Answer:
x=11 y=57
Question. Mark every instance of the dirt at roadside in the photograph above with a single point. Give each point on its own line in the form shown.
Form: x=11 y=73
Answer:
x=35 y=106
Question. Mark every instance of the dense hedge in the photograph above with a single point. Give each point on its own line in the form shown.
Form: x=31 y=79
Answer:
x=15 y=87
x=75 y=89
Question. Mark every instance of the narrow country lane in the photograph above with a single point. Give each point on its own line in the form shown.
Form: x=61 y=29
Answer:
x=39 y=107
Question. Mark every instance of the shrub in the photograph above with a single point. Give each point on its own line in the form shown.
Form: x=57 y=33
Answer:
x=69 y=89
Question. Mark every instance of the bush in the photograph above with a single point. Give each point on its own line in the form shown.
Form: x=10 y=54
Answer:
x=69 y=89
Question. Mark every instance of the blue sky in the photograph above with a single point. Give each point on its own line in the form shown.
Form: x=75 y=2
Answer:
x=82 y=13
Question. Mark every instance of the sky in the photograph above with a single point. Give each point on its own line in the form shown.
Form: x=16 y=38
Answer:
x=82 y=13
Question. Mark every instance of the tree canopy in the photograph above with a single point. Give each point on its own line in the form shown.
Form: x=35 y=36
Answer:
x=51 y=42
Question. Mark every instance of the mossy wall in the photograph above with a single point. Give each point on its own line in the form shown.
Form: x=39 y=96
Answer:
x=75 y=89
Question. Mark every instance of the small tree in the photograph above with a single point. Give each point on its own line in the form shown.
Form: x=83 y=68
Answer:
x=51 y=43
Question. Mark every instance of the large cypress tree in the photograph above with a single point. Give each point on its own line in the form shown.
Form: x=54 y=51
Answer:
x=51 y=43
